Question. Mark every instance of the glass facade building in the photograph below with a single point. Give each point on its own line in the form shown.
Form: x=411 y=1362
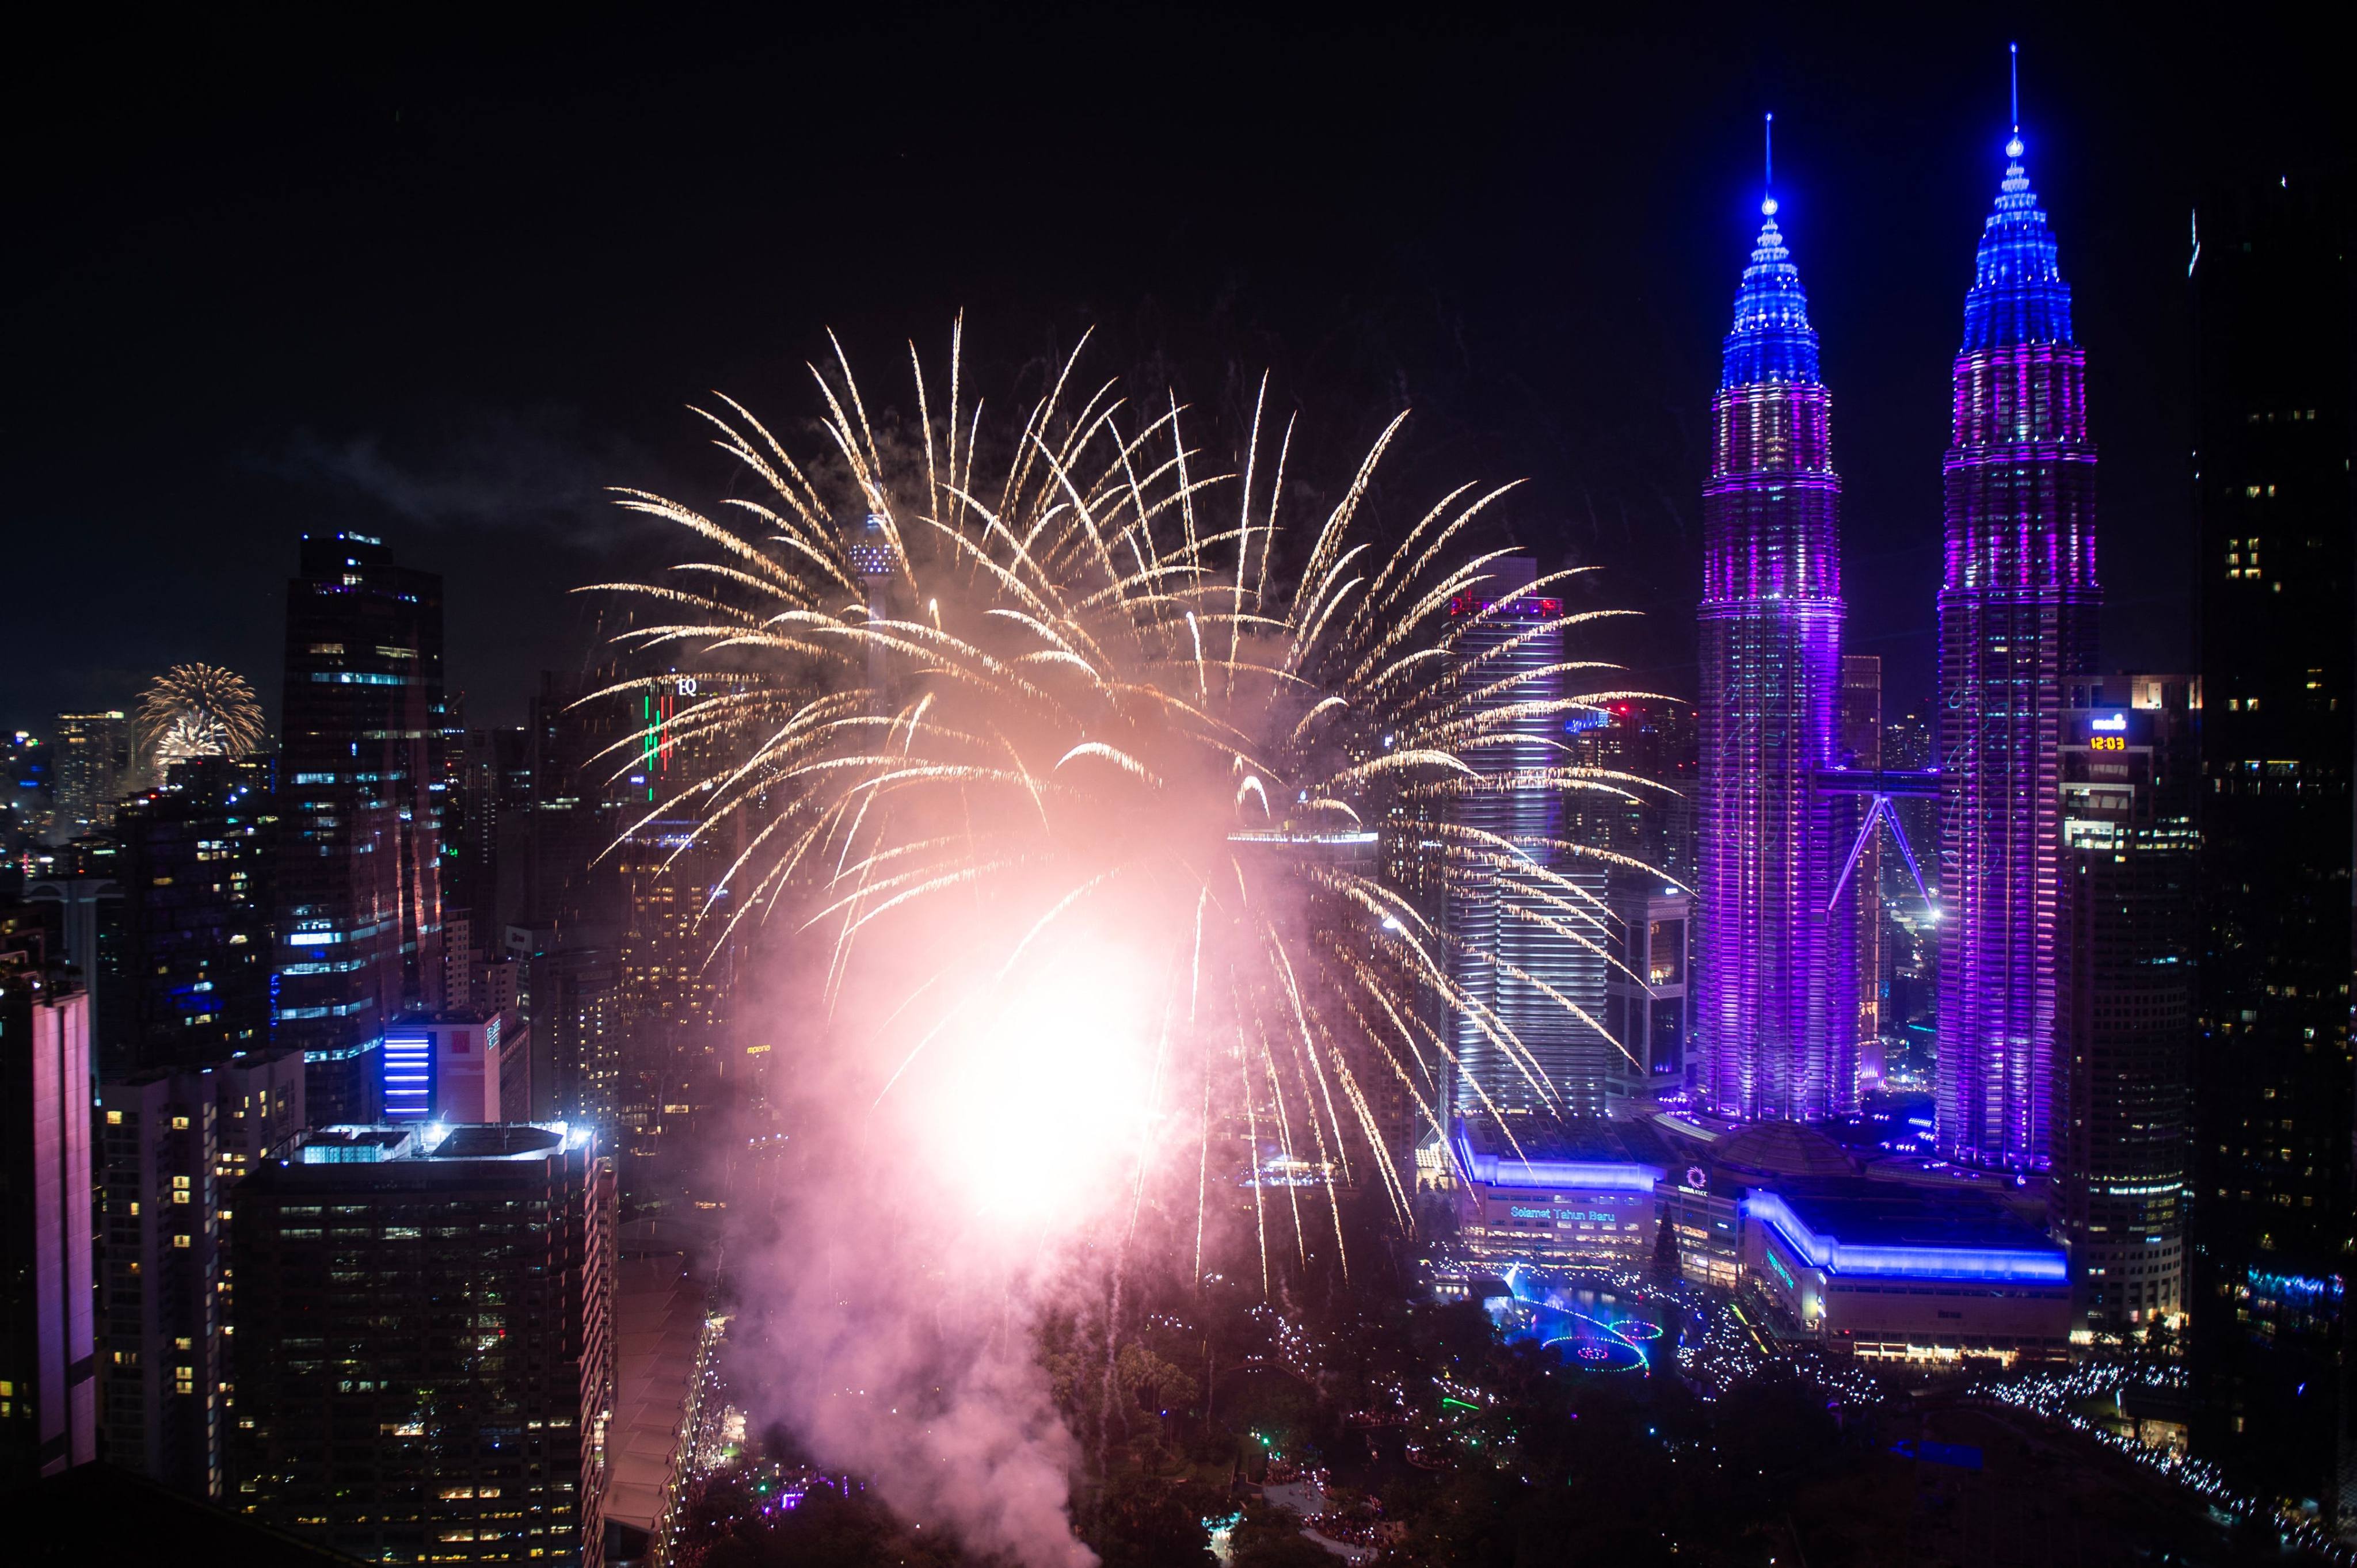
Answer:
x=2017 y=610
x=1525 y=954
x=360 y=791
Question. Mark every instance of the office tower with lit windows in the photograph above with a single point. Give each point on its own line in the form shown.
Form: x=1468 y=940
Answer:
x=360 y=791
x=1652 y=739
x=2273 y=1215
x=28 y=795
x=49 y=1403
x=2124 y=980
x=437 y=1300
x=158 y=1330
x=1774 y=988
x=197 y=860
x=170 y=1144
x=2018 y=610
x=1506 y=953
x=95 y=770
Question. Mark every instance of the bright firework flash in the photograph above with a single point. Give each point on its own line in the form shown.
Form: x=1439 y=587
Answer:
x=197 y=710
x=1069 y=780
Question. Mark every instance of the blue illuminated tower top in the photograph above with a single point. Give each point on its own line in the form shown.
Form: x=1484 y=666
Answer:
x=2018 y=294
x=1772 y=339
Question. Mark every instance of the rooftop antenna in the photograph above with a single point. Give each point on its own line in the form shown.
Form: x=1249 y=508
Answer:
x=2013 y=52
x=1768 y=200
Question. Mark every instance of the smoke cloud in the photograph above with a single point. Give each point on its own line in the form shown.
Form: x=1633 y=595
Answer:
x=953 y=1180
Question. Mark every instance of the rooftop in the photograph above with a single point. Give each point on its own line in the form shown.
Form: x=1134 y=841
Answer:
x=434 y=1143
x=1550 y=1151
x=1852 y=1226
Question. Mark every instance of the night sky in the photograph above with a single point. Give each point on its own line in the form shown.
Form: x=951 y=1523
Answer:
x=443 y=286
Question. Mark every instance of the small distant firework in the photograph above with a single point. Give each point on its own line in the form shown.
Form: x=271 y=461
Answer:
x=1098 y=759
x=198 y=710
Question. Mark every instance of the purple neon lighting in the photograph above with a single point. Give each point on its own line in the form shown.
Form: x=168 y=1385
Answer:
x=1836 y=1257
x=2018 y=613
x=1775 y=976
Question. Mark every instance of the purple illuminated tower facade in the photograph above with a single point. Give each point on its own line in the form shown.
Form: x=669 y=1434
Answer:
x=2016 y=630
x=1777 y=1010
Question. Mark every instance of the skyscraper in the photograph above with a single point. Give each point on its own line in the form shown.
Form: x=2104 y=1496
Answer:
x=438 y=1303
x=360 y=785
x=169 y=1144
x=49 y=1400
x=95 y=770
x=2271 y=1209
x=2124 y=958
x=2016 y=629
x=1508 y=928
x=1777 y=1017
x=198 y=859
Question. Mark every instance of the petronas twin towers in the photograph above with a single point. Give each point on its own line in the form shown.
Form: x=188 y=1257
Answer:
x=1781 y=812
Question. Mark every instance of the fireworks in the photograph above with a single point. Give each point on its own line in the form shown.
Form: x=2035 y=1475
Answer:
x=1080 y=795
x=198 y=710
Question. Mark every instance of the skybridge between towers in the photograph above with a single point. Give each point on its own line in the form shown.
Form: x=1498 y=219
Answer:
x=1880 y=786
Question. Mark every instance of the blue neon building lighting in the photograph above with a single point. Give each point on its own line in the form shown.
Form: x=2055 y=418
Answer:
x=1603 y=1175
x=1915 y=1261
x=408 y=1073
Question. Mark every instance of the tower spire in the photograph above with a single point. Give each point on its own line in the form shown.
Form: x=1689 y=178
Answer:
x=1768 y=185
x=2013 y=67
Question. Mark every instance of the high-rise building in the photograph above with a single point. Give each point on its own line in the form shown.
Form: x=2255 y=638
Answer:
x=448 y=1069
x=2124 y=968
x=170 y=1143
x=2016 y=629
x=81 y=880
x=574 y=998
x=490 y=821
x=437 y=1304
x=2273 y=1214
x=1776 y=1017
x=1650 y=1008
x=48 y=1399
x=198 y=863
x=1650 y=739
x=94 y=769
x=1860 y=719
x=29 y=787
x=361 y=790
x=1508 y=927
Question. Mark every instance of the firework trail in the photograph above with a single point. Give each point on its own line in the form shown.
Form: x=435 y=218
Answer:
x=197 y=710
x=1071 y=771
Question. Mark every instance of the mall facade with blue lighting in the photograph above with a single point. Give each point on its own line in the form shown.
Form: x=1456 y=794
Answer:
x=1895 y=1259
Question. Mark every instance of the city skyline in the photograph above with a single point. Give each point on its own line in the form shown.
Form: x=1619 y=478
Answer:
x=1362 y=916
